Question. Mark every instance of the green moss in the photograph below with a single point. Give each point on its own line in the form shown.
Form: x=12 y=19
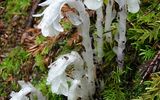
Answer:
x=16 y=7
x=12 y=63
x=39 y=61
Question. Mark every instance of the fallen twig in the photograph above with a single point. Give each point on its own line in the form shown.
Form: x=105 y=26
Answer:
x=34 y=6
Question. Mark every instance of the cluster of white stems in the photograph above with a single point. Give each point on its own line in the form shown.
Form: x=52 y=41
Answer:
x=83 y=74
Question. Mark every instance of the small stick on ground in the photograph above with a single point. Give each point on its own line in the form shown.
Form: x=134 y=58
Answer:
x=34 y=5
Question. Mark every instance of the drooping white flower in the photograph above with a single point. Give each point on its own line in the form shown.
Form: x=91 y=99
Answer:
x=26 y=89
x=50 y=25
x=57 y=75
x=133 y=5
x=93 y=4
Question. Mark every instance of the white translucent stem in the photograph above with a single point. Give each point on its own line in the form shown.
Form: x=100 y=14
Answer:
x=99 y=33
x=121 y=36
x=110 y=15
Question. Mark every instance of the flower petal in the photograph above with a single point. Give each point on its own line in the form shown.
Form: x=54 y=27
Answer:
x=74 y=91
x=57 y=26
x=47 y=2
x=58 y=67
x=75 y=20
x=59 y=85
x=93 y=4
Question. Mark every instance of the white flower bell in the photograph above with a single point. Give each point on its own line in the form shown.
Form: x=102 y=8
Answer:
x=50 y=25
x=133 y=5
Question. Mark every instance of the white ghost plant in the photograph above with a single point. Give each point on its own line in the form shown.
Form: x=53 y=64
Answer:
x=82 y=78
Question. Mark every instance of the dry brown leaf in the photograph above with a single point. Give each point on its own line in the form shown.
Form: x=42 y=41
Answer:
x=35 y=31
x=10 y=78
x=47 y=60
x=74 y=39
x=38 y=50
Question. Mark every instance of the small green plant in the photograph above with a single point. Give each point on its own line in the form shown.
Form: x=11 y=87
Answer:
x=66 y=25
x=144 y=26
x=109 y=54
x=9 y=68
x=147 y=53
x=113 y=90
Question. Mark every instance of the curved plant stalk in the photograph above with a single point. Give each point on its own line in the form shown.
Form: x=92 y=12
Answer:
x=88 y=54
